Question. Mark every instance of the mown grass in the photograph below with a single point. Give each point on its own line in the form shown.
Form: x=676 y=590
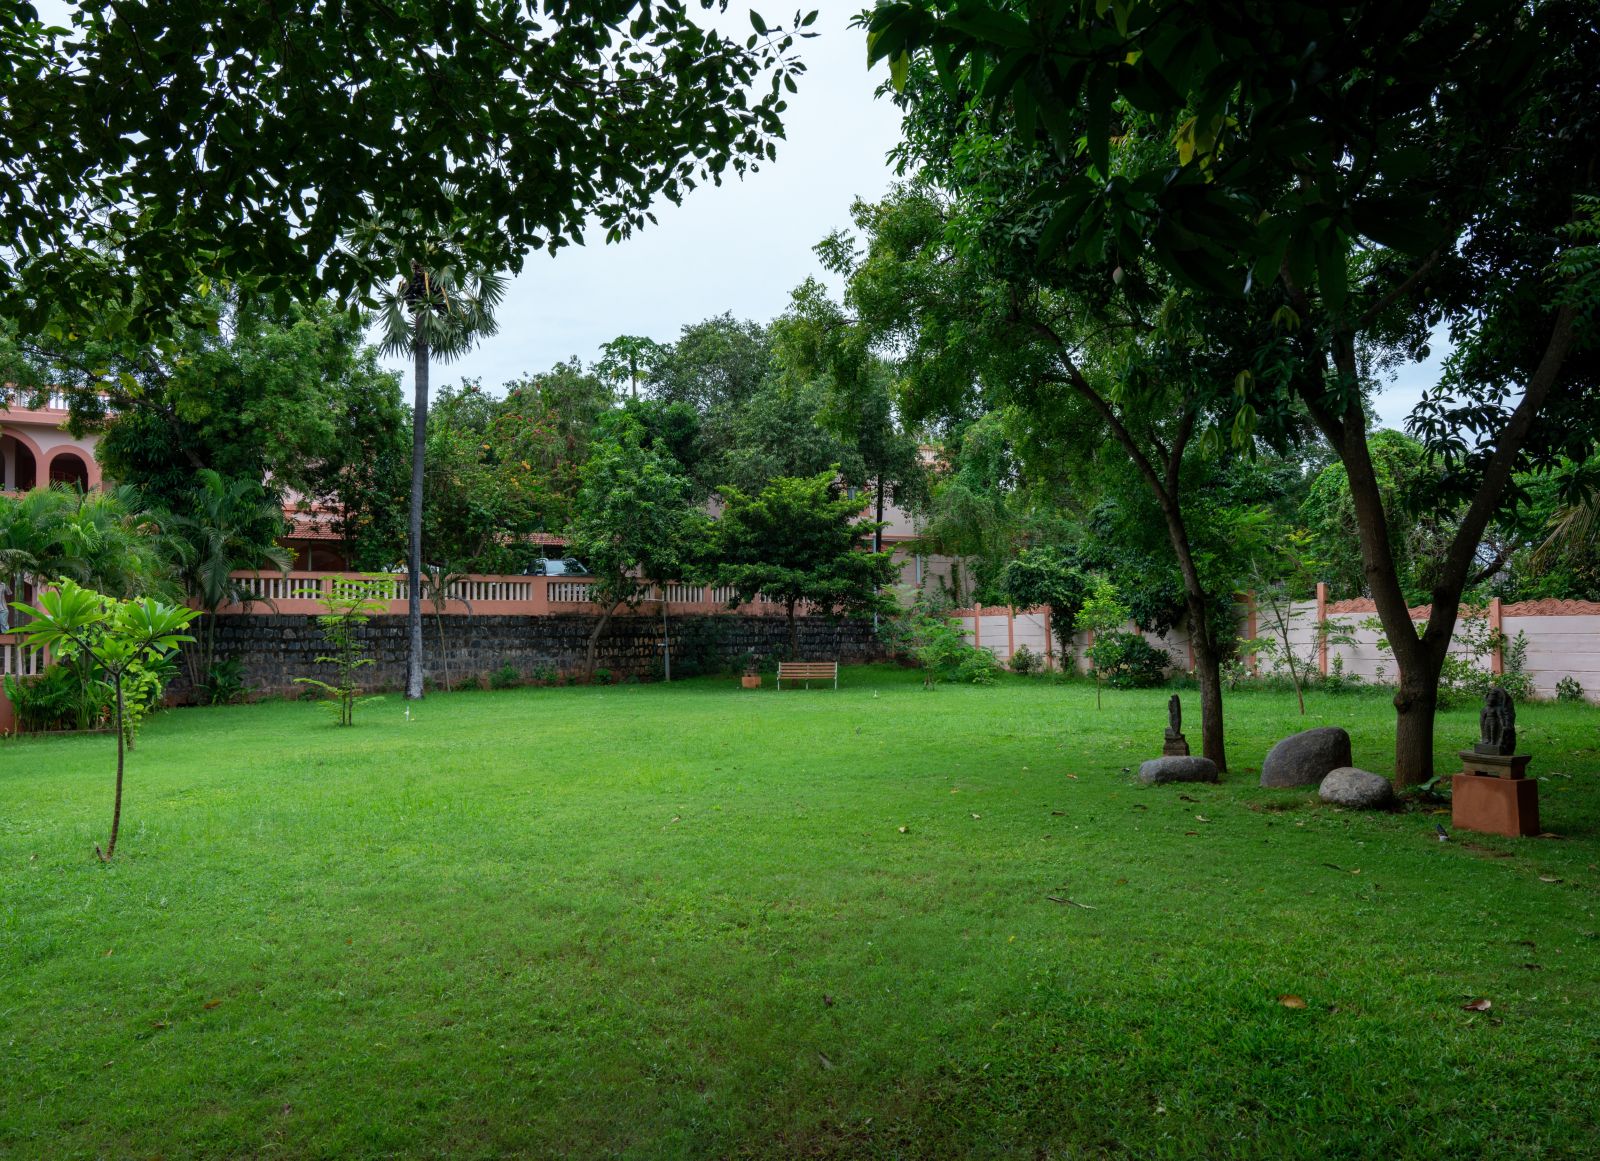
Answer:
x=685 y=921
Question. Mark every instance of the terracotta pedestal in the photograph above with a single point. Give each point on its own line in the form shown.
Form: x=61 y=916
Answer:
x=751 y=681
x=1494 y=804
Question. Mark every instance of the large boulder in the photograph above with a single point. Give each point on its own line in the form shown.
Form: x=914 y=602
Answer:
x=1357 y=789
x=1305 y=759
x=1194 y=769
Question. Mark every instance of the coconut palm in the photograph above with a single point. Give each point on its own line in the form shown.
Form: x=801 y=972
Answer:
x=438 y=311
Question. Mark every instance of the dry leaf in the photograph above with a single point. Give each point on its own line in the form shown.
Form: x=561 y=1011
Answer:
x=1193 y=832
x=1186 y=798
x=1201 y=818
x=209 y=1004
x=1542 y=879
x=158 y=1024
x=1476 y=1006
x=827 y=1000
x=675 y=817
x=1291 y=1001
x=905 y=830
x=1058 y=812
x=977 y=816
x=824 y=1061
x=1074 y=777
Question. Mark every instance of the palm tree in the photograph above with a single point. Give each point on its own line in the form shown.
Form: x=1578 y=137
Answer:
x=228 y=528
x=439 y=311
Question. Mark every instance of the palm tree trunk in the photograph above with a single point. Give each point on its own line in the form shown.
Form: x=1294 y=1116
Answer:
x=419 y=447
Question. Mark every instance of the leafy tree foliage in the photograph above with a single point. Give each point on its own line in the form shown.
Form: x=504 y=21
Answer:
x=151 y=144
x=633 y=524
x=1355 y=177
x=799 y=541
x=120 y=637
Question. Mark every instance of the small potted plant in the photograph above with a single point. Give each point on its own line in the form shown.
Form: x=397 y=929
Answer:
x=752 y=672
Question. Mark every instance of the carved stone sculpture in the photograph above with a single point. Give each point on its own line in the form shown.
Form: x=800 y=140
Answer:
x=1497 y=724
x=1176 y=745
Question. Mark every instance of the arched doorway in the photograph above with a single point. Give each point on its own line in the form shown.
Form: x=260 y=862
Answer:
x=68 y=467
x=19 y=468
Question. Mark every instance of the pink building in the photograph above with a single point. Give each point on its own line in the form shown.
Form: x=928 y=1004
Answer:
x=36 y=448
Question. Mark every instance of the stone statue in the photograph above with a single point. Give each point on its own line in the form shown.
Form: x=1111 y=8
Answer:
x=1176 y=745
x=1497 y=723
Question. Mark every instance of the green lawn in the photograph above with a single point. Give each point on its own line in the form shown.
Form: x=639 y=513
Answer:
x=694 y=921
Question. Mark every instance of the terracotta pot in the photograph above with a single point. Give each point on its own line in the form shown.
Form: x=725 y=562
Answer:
x=751 y=681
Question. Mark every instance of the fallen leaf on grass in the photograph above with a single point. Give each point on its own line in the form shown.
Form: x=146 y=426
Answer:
x=824 y=1061
x=905 y=830
x=1533 y=967
x=1201 y=818
x=1074 y=777
x=977 y=816
x=1058 y=812
x=1068 y=902
x=1291 y=1001
x=827 y=1000
x=1186 y=798
x=1192 y=832
x=158 y=1024
x=1549 y=834
x=1140 y=806
x=1542 y=879
x=1477 y=1006
x=209 y=1004
x=676 y=817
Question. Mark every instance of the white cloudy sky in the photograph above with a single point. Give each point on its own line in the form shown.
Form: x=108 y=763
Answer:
x=741 y=247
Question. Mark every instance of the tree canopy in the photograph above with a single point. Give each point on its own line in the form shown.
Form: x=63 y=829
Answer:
x=146 y=145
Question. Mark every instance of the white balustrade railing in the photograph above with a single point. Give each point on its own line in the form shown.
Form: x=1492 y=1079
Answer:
x=568 y=591
x=17 y=660
x=678 y=593
x=472 y=589
x=724 y=595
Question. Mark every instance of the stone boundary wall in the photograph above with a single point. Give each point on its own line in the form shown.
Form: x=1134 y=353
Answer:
x=276 y=649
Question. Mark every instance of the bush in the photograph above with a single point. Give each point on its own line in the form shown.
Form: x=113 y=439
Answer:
x=602 y=677
x=55 y=700
x=1026 y=661
x=225 y=682
x=506 y=677
x=1127 y=661
x=940 y=645
x=1569 y=689
x=978 y=667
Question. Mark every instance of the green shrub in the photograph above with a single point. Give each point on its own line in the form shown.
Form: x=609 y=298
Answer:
x=978 y=667
x=1569 y=689
x=602 y=676
x=55 y=700
x=1127 y=661
x=225 y=682
x=506 y=677
x=1026 y=661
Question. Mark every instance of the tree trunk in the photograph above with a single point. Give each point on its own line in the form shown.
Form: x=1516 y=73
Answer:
x=419 y=447
x=794 y=635
x=116 y=808
x=1208 y=671
x=593 y=646
x=1415 y=704
x=666 y=638
x=877 y=533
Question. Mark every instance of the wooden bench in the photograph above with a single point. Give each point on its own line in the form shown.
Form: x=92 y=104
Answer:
x=808 y=671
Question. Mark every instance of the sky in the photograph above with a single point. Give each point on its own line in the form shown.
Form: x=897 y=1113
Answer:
x=740 y=247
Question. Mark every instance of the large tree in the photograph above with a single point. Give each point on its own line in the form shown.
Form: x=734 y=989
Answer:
x=1359 y=175
x=151 y=144
x=798 y=541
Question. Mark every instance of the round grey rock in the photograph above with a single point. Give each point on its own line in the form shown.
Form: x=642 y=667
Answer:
x=1305 y=759
x=1357 y=789
x=1191 y=769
